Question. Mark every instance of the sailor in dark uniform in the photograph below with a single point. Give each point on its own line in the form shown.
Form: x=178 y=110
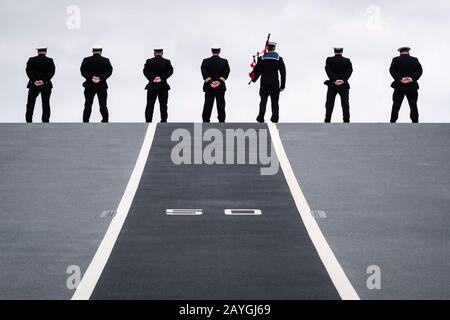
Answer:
x=406 y=71
x=215 y=71
x=339 y=70
x=157 y=70
x=268 y=68
x=40 y=70
x=96 y=70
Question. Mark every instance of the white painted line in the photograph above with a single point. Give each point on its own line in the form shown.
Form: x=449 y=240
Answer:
x=334 y=269
x=184 y=212
x=95 y=269
x=243 y=212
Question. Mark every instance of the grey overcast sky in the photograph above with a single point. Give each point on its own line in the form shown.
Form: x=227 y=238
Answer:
x=306 y=30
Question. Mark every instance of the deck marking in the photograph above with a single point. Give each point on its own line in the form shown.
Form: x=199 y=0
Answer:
x=98 y=263
x=184 y=212
x=108 y=214
x=243 y=212
x=319 y=214
x=334 y=269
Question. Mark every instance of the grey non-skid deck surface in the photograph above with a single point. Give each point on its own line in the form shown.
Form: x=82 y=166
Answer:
x=386 y=190
x=212 y=256
x=55 y=180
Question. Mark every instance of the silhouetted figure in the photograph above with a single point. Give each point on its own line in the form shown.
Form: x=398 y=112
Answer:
x=269 y=67
x=96 y=70
x=40 y=70
x=339 y=70
x=215 y=71
x=406 y=71
x=157 y=70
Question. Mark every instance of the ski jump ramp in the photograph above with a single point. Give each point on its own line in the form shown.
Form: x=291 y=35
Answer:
x=100 y=211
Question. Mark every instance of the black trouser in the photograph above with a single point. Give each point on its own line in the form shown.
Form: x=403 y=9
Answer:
x=33 y=93
x=274 y=93
x=89 y=95
x=219 y=97
x=163 y=97
x=399 y=95
x=344 y=93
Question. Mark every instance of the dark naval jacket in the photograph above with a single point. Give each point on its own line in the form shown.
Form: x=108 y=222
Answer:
x=405 y=66
x=40 y=68
x=97 y=66
x=338 y=68
x=158 y=67
x=268 y=67
x=213 y=69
